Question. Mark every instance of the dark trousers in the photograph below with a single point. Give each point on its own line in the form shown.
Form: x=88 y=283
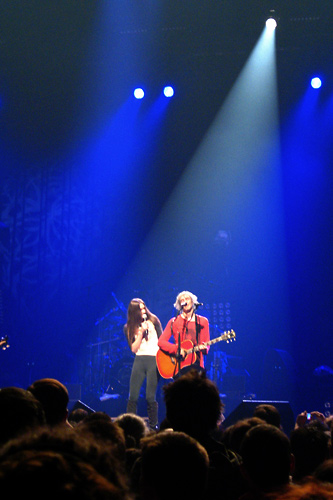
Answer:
x=144 y=367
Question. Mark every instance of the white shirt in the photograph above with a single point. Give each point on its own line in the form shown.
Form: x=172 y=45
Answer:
x=149 y=347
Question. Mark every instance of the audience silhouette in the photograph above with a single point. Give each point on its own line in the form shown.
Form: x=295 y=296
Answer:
x=45 y=451
x=267 y=461
x=60 y=463
x=76 y=416
x=309 y=490
x=100 y=426
x=269 y=413
x=53 y=396
x=234 y=434
x=193 y=406
x=134 y=427
x=311 y=447
x=20 y=411
x=324 y=472
x=189 y=462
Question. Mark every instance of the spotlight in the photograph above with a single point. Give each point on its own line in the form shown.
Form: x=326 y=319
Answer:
x=168 y=91
x=139 y=93
x=271 y=24
x=316 y=82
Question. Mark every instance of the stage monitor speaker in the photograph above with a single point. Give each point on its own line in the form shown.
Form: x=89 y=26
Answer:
x=246 y=409
x=79 y=405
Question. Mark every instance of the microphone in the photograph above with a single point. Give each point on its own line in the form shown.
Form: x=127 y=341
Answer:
x=145 y=335
x=197 y=304
x=183 y=304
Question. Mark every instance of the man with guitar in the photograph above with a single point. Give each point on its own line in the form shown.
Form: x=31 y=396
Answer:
x=190 y=333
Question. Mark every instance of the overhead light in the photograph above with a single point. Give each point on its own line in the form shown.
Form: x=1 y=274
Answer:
x=139 y=93
x=316 y=82
x=168 y=91
x=271 y=24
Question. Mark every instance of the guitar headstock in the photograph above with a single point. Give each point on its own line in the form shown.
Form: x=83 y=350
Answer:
x=4 y=343
x=230 y=336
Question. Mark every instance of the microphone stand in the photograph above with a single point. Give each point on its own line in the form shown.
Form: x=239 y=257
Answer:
x=179 y=347
x=178 y=356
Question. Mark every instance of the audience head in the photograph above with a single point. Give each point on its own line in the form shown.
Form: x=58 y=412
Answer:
x=324 y=472
x=329 y=422
x=267 y=459
x=189 y=462
x=233 y=435
x=193 y=404
x=100 y=426
x=20 y=411
x=134 y=428
x=308 y=490
x=269 y=413
x=54 y=398
x=77 y=415
x=310 y=446
x=57 y=463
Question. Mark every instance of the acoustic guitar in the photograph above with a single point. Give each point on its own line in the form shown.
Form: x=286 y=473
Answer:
x=167 y=364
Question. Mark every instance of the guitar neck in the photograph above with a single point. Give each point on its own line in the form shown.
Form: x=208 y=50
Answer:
x=226 y=336
x=3 y=343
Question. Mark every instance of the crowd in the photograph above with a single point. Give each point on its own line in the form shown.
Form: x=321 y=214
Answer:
x=48 y=452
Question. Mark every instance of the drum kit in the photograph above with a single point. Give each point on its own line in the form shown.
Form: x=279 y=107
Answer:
x=109 y=357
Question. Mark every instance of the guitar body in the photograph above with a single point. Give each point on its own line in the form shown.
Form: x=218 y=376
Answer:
x=167 y=363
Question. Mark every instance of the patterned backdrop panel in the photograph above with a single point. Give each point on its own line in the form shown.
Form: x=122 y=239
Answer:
x=46 y=236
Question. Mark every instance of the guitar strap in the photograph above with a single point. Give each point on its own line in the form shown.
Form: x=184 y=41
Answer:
x=197 y=329
x=174 y=319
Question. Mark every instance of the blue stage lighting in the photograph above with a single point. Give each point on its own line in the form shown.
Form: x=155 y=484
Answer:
x=316 y=83
x=168 y=91
x=139 y=93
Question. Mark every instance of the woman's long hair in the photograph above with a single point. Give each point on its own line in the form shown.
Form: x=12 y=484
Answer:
x=134 y=320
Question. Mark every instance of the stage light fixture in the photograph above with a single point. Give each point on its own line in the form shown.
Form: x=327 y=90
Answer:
x=168 y=91
x=139 y=93
x=271 y=24
x=316 y=82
